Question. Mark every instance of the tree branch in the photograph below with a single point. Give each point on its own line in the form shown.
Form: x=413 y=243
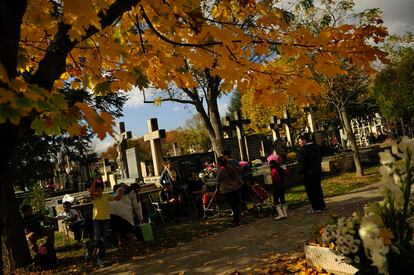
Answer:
x=53 y=63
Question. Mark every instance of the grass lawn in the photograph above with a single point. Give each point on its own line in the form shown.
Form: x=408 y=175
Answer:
x=71 y=258
x=334 y=185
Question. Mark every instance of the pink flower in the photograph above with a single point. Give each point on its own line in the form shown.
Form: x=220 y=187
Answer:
x=243 y=163
x=276 y=158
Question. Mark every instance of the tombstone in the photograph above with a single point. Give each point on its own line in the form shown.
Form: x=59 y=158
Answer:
x=255 y=147
x=154 y=136
x=121 y=158
x=287 y=121
x=237 y=124
x=134 y=167
x=144 y=170
x=274 y=126
x=311 y=120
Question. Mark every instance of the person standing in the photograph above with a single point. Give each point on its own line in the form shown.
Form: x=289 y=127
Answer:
x=278 y=182
x=229 y=181
x=310 y=160
x=101 y=217
x=170 y=176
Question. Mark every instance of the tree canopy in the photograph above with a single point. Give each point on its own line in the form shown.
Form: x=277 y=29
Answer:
x=394 y=87
x=89 y=44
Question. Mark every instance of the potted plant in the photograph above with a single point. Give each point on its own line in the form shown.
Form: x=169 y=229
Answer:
x=380 y=241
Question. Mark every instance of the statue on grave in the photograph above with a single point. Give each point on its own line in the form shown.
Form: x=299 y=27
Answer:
x=120 y=154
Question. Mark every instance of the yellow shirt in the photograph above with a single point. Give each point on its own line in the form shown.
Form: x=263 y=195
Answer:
x=101 y=207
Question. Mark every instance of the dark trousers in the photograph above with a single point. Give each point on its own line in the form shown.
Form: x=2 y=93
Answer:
x=233 y=199
x=100 y=235
x=279 y=193
x=314 y=190
x=198 y=203
x=77 y=230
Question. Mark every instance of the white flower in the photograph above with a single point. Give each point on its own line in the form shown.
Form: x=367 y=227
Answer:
x=353 y=248
x=345 y=250
x=347 y=260
x=386 y=157
x=377 y=251
x=407 y=145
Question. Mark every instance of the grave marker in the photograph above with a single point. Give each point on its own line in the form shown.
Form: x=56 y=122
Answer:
x=287 y=121
x=134 y=168
x=154 y=136
x=237 y=124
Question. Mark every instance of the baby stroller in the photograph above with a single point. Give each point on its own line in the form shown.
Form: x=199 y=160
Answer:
x=260 y=196
x=251 y=191
x=210 y=194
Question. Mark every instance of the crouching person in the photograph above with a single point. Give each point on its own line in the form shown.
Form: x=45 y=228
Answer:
x=34 y=229
x=73 y=220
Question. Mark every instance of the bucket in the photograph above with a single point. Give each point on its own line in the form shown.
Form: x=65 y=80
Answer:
x=146 y=230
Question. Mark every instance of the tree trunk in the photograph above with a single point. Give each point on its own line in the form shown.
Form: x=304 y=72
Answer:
x=11 y=228
x=216 y=124
x=11 y=223
x=351 y=137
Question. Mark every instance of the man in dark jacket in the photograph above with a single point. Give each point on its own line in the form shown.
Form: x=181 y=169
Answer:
x=310 y=160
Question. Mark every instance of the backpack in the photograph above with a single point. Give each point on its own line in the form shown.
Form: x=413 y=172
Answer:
x=45 y=259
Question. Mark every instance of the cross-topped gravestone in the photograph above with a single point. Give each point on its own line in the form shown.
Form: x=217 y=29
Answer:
x=287 y=121
x=311 y=120
x=274 y=126
x=154 y=136
x=121 y=142
x=237 y=124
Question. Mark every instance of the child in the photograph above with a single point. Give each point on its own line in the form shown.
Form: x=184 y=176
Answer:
x=101 y=219
x=34 y=229
x=73 y=219
x=278 y=174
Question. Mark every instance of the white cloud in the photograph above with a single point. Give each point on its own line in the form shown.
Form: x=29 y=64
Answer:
x=136 y=97
x=176 y=109
x=102 y=145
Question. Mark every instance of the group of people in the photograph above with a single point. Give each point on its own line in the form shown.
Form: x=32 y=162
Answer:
x=174 y=198
x=123 y=210
x=230 y=179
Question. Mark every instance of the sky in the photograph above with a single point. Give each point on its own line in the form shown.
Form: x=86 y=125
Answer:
x=398 y=16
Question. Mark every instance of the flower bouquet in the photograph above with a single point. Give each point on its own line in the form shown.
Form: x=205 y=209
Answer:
x=209 y=172
x=381 y=240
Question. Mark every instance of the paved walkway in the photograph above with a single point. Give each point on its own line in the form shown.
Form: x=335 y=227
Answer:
x=243 y=248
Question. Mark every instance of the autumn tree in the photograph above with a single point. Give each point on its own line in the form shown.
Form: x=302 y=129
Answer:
x=393 y=86
x=110 y=45
x=341 y=88
x=194 y=133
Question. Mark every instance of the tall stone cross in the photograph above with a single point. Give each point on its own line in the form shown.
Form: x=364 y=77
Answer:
x=274 y=126
x=121 y=150
x=287 y=121
x=237 y=124
x=154 y=136
x=311 y=120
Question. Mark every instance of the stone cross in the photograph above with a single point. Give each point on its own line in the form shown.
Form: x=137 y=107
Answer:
x=311 y=120
x=287 y=121
x=237 y=123
x=175 y=149
x=154 y=136
x=274 y=125
x=121 y=150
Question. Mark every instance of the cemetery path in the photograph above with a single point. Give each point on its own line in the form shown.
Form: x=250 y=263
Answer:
x=244 y=248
